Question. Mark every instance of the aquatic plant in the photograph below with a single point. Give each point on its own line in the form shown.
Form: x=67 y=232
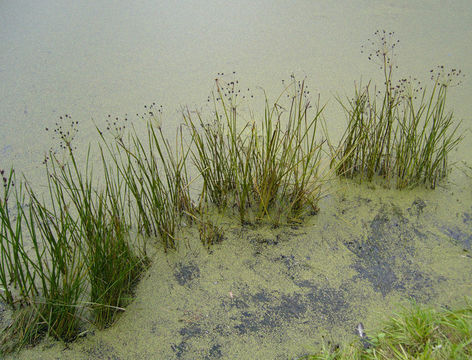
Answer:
x=64 y=253
x=271 y=168
x=83 y=263
x=156 y=177
x=113 y=266
x=59 y=263
x=47 y=282
x=209 y=231
x=14 y=264
x=402 y=132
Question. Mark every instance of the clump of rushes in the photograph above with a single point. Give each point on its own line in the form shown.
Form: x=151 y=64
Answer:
x=271 y=170
x=287 y=159
x=401 y=133
x=113 y=265
x=156 y=177
x=14 y=265
x=46 y=283
x=79 y=253
x=416 y=333
x=60 y=264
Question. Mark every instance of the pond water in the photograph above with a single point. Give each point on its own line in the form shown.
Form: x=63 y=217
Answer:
x=262 y=293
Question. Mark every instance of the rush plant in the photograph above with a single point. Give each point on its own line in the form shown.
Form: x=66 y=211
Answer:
x=268 y=168
x=156 y=177
x=401 y=132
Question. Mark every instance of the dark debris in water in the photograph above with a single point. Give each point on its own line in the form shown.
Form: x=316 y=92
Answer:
x=261 y=240
x=102 y=351
x=185 y=349
x=460 y=236
x=180 y=349
x=190 y=330
x=215 y=352
x=186 y=273
x=386 y=245
x=466 y=218
x=381 y=276
x=417 y=207
x=268 y=313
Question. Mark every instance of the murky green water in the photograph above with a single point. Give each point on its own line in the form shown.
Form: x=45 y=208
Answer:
x=262 y=293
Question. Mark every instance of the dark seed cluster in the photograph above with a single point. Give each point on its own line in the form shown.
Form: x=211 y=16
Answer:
x=4 y=178
x=408 y=88
x=154 y=113
x=116 y=126
x=7 y=181
x=65 y=131
x=229 y=91
x=380 y=49
x=447 y=78
x=297 y=89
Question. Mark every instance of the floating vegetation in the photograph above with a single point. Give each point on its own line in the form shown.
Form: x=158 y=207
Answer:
x=401 y=132
x=415 y=333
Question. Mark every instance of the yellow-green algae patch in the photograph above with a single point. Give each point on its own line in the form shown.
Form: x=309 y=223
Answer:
x=277 y=293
